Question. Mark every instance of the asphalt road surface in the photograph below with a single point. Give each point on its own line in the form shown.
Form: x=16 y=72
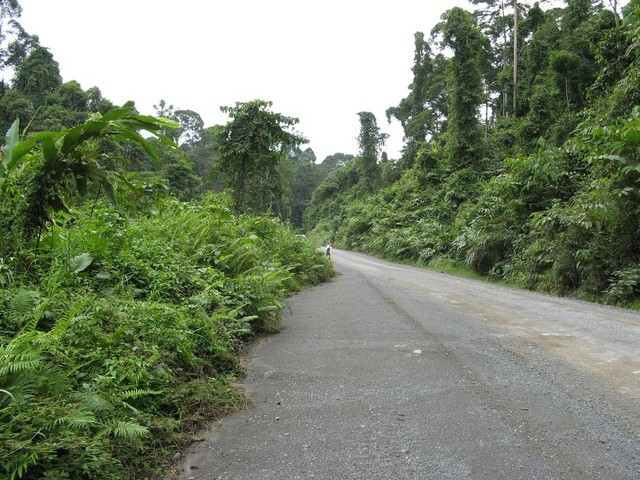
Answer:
x=393 y=372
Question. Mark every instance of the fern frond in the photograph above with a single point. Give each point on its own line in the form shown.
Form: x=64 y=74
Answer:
x=138 y=393
x=19 y=362
x=6 y=392
x=93 y=402
x=76 y=422
x=130 y=407
x=22 y=304
x=17 y=466
x=122 y=429
x=72 y=314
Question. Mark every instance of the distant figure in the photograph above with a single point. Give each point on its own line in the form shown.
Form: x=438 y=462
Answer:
x=327 y=251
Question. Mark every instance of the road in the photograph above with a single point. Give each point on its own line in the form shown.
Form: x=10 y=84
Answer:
x=394 y=372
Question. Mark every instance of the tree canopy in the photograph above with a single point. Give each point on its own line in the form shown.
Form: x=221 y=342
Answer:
x=251 y=149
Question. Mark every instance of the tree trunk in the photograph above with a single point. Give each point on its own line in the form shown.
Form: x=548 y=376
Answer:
x=515 y=54
x=614 y=6
x=505 y=95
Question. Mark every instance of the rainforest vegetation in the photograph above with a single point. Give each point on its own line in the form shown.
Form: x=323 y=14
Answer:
x=138 y=254
x=128 y=288
x=522 y=128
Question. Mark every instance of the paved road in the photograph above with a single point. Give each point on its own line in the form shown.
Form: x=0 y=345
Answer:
x=393 y=372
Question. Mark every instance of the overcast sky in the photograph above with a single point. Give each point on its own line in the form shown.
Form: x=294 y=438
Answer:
x=320 y=61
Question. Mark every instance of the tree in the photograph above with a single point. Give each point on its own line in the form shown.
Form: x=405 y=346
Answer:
x=191 y=126
x=422 y=112
x=20 y=47
x=515 y=56
x=464 y=136
x=251 y=149
x=370 y=141
x=333 y=162
x=202 y=156
x=302 y=176
x=9 y=10
x=38 y=75
x=97 y=103
x=191 y=123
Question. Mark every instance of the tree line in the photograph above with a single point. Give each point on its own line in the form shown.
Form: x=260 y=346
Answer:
x=520 y=159
x=128 y=288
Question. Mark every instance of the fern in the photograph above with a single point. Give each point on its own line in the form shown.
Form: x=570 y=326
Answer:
x=5 y=392
x=139 y=393
x=16 y=466
x=21 y=305
x=125 y=430
x=72 y=314
x=93 y=402
x=78 y=421
x=13 y=363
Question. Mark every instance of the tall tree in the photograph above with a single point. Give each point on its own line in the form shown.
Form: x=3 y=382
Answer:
x=191 y=123
x=191 y=126
x=464 y=136
x=251 y=149
x=370 y=142
x=422 y=112
x=515 y=57
x=38 y=76
x=302 y=176
x=203 y=156
x=9 y=11
x=333 y=162
x=97 y=103
x=20 y=47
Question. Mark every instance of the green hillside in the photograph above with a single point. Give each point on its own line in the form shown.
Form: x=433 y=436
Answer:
x=534 y=182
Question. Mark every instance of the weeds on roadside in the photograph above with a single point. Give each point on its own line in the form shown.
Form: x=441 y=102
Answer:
x=125 y=335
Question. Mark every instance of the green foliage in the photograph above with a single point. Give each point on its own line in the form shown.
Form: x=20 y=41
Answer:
x=370 y=141
x=38 y=75
x=53 y=161
x=459 y=32
x=548 y=197
x=129 y=337
x=251 y=149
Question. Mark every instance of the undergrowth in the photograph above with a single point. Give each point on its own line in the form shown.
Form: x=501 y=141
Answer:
x=120 y=335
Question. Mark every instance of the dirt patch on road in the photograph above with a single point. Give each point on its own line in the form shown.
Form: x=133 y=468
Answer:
x=582 y=342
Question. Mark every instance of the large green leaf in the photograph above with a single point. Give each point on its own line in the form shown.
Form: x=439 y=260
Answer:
x=11 y=140
x=131 y=136
x=81 y=184
x=161 y=121
x=77 y=135
x=80 y=262
x=90 y=171
x=49 y=151
x=14 y=149
x=110 y=193
x=116 y=114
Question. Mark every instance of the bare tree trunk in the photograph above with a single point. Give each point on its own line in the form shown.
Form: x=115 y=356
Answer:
x=486 y=116
x=515 y=54
x=614 y=6
x=505 y=95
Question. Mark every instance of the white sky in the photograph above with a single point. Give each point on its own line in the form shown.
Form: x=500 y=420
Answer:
x=320 y=61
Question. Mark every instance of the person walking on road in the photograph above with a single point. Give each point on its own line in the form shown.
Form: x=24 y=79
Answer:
x=327 y=251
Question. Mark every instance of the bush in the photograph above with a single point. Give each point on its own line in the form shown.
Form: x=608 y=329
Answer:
x=128 y=338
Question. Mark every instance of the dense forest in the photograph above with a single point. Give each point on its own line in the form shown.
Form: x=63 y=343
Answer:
x=129 y=282
x=521 y=153
x=139 y=253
